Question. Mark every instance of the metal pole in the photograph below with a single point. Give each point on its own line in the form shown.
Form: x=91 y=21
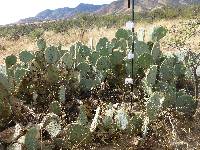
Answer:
x=133 y=18
x=133 y=41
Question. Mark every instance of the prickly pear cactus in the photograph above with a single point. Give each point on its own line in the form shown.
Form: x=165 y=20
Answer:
x=135 y=124
x=4 y=83
x=167 y=70
x=103 y=47
x=121 y=34
x=186 y=104
x=55 y=108
x=19 y=74
x=116 y=58
x=41 y=43
x=93 y=57
x=31 y=138
x=82 y=118
x=108 y=117
x=158 y=33
x=180 y=69
x=145 y=61
x=151 y=75
x=129 y=67
x=52 y=55
x=77 y=134
x=62 y=95
x=84 y=67
x=154 y=105
x=52 y=73
x=26 y=56
x=103 y=63
x=140 y=48
x=155 y=52
x=67 y=59
x=86 y=84
x=169 y=92
x=10 y=60
x=51 y=123
x=121 y=119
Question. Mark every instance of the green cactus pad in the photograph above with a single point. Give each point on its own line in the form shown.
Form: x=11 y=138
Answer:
x=4 y=83
x=186 y=104
x=145 y=61
x=103 y=63
x=41 y=43
x=77 y=134
x=108 y=118
x=154 y=105
x=93 y=57
x=155 y=52
x=26 y=56
x=158 y=33
x=68 y=60
x=103 y=47
x=83 y=50
x=116 y=58
x=167 y=70
x=86 y=84
x=10 y=61
x=82 y=118
x=179 y=69
x=151 y=75
x=52 y=73
x=51 y=55
x=62 y=94
x=19 y=74
x=122 y=33
x=31 y=138
x=169 y=92
x=83 y=67
x=135 y=124
x=140 y=48
x=55 y=108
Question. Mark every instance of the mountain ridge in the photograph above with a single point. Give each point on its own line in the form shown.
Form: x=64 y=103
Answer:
x=118 y=6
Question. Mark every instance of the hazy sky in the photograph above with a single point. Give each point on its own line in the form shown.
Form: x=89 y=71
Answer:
x=13 y=10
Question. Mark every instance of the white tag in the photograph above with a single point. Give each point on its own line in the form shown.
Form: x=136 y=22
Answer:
x=198 y=71
x=130 y=55
x=128 y=81
x=129 y=25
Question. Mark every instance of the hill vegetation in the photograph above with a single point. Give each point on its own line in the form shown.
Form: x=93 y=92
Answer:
x=85 y=22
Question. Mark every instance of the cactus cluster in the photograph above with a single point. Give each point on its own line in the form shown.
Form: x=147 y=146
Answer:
x=51 y=79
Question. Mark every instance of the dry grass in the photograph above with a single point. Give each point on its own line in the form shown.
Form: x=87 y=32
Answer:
x=24 y=43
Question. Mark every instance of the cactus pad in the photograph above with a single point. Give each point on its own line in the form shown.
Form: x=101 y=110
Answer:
x=51 y=55
x=10 y=60
x=26 y=56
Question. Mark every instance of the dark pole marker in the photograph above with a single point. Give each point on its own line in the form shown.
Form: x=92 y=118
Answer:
x=129 y=3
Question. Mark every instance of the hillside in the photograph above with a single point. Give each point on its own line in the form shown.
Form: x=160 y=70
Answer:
x=146 y=5
x=62 y=13
x=119 y=6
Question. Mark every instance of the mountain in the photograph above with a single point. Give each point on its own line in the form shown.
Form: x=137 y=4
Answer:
x=119 y=6
x=62 y=13
x=146 y=5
